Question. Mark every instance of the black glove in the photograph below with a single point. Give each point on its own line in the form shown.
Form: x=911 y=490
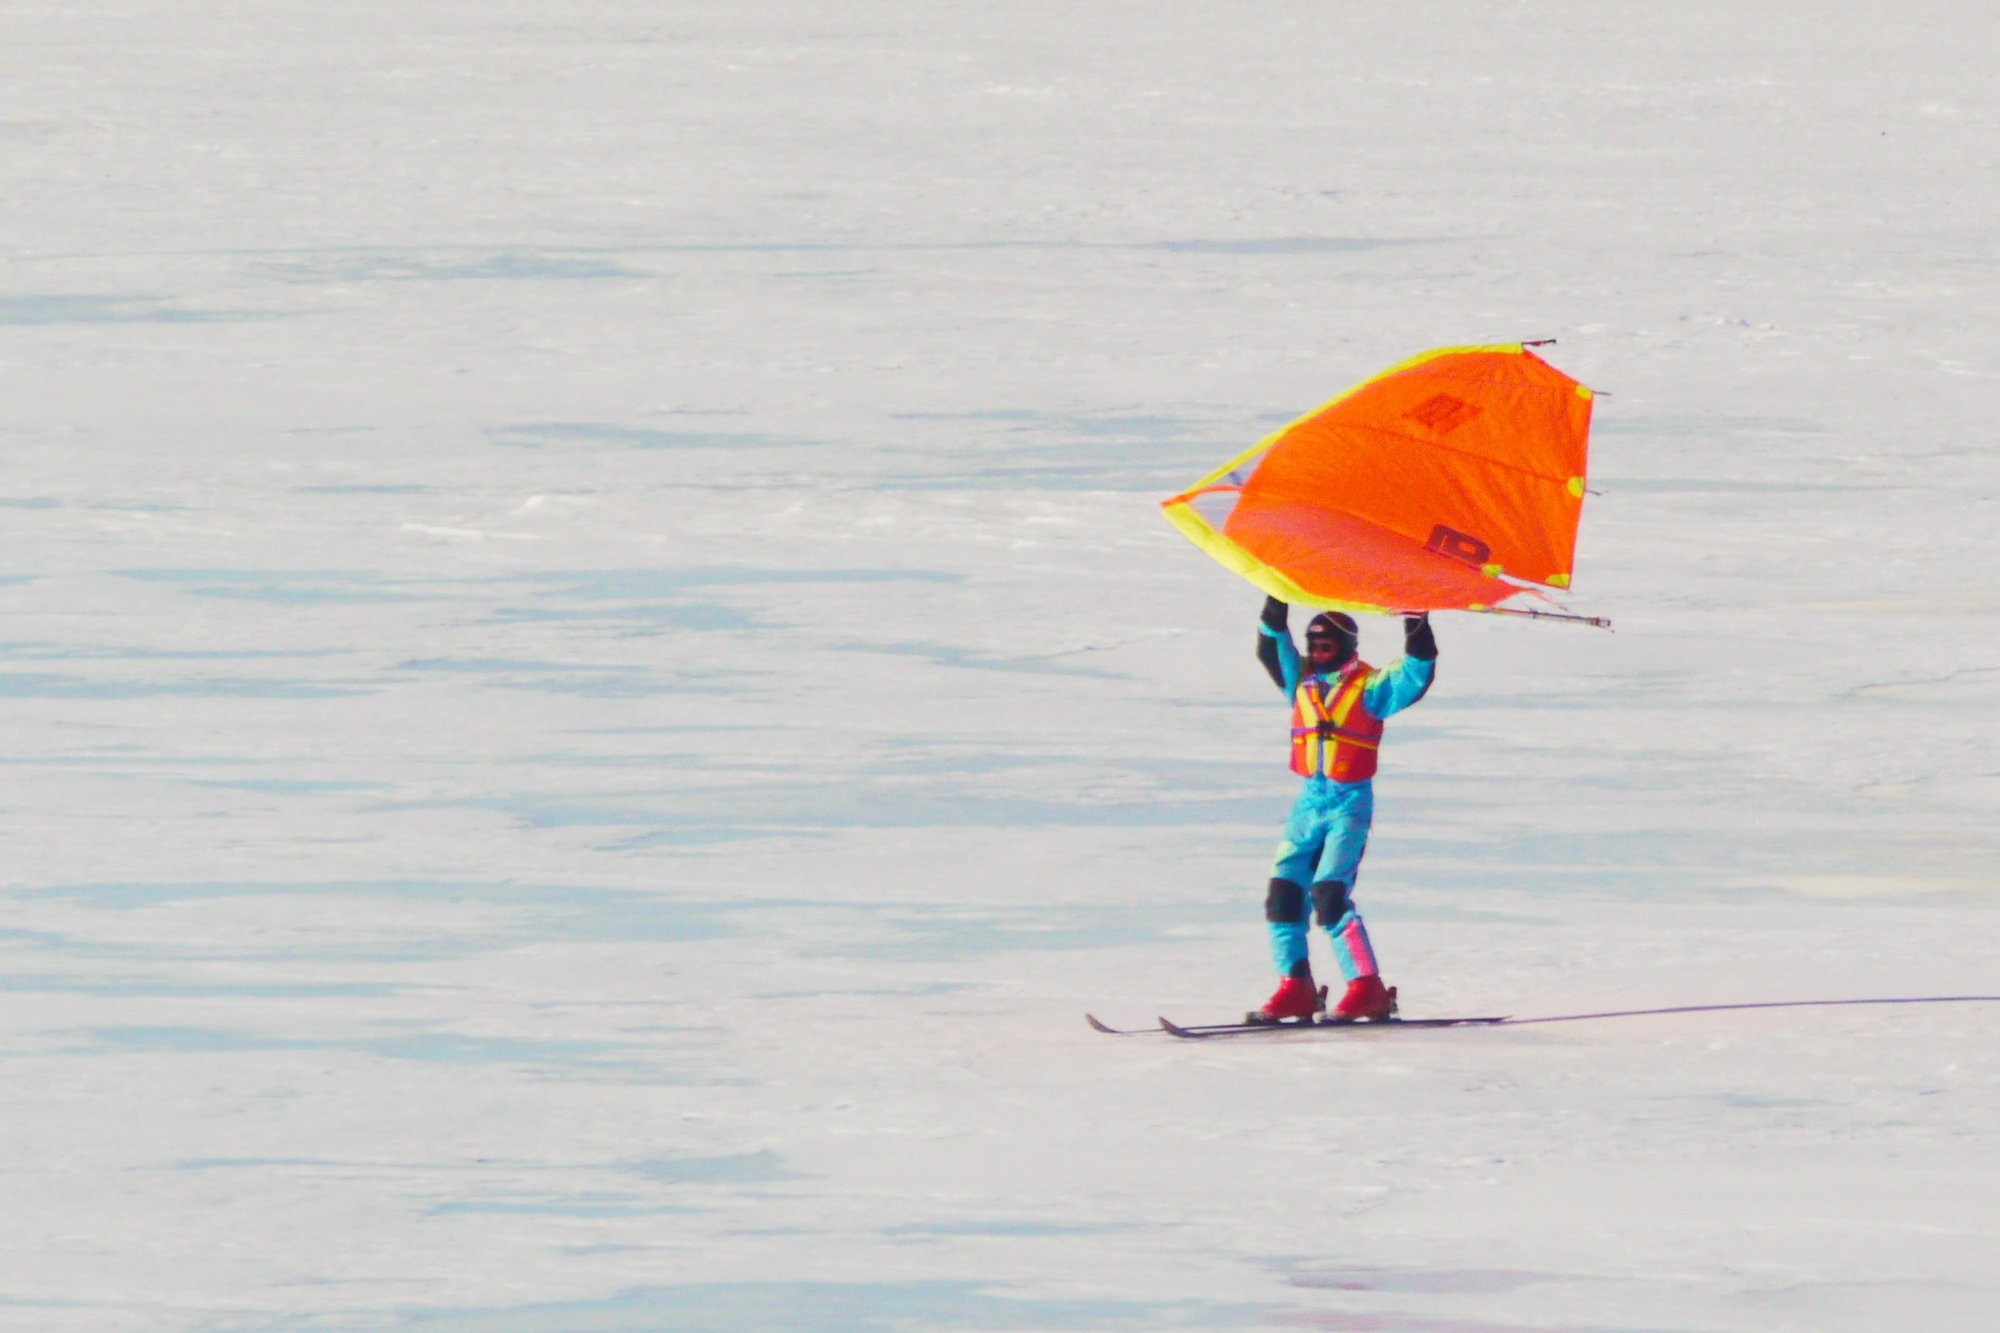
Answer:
x=1418 y=641
x=1267 y=644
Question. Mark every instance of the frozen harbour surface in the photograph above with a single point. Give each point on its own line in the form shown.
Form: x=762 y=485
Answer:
x=594 y=682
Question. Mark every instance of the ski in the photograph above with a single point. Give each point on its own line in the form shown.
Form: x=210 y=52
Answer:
x=1199 y=1030
x=1196 y=1031
x=1244 y=1029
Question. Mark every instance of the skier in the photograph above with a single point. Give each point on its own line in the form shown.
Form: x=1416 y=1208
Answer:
x=1338 y=705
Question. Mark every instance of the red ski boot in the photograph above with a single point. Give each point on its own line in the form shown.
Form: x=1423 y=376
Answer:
x=1295 y=998
x=1366 y=1001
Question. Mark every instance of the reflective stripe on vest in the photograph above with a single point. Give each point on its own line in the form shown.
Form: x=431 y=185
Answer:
x=1334 y=735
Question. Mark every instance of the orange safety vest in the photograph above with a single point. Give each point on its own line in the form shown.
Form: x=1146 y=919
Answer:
x=1333 y=733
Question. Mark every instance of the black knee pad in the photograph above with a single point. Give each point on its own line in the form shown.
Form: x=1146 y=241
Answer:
x=1330 y=900
x=1286 y=902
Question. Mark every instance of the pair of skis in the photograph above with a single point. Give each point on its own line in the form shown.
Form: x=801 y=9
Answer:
x=1322 y=1019
x=1192 y=1031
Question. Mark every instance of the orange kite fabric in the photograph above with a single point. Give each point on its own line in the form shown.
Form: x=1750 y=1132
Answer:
x=1417 y=490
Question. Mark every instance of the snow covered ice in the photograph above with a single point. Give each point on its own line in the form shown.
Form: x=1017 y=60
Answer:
x=595 y=683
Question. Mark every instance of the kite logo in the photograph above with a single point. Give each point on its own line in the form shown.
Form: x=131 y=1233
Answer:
x=1457 y=545
x=1442 y=413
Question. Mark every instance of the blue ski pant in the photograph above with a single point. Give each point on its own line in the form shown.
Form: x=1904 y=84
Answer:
x=1320 y=854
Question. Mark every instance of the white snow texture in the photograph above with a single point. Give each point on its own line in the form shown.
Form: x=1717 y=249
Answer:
x=594 y=682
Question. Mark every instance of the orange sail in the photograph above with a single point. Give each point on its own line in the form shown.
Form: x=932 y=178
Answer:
x=1445 y=483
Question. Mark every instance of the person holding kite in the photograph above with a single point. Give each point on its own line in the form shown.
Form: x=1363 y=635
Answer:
x=1339 y=704
x=1452 y=481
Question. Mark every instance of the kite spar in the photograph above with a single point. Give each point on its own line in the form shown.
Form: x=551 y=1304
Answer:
x=1450 y=482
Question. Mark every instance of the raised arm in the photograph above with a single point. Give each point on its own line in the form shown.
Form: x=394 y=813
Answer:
x=1397 y=687
x=1275 y=648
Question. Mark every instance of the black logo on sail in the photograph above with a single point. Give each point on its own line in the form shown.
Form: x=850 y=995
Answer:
x=1459 y=545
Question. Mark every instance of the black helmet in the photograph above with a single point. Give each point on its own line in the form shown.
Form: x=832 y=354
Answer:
x=1335 y=625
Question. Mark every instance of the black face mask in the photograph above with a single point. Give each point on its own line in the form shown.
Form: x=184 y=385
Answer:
x=1342 y=652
